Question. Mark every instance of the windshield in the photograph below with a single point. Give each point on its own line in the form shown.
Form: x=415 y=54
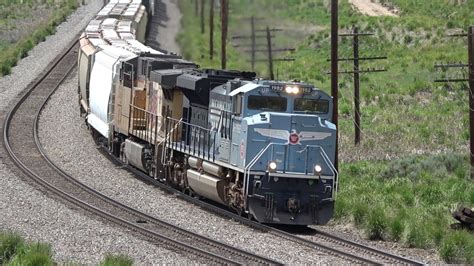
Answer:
x=267 y=103
x=312 y=105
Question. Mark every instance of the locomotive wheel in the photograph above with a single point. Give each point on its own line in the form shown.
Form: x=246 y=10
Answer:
x=239 y=211
x=152 y=172
x=188 y=191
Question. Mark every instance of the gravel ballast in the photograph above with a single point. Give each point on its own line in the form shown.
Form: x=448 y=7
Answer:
x=74 y=237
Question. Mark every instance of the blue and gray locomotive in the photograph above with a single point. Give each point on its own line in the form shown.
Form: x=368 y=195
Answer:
x=263 y=148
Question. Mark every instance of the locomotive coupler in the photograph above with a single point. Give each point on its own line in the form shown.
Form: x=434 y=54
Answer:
x=293 y=206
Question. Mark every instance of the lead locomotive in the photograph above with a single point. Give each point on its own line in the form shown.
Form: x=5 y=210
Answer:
x=263 y=148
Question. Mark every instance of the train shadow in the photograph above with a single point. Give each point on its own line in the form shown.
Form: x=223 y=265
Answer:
x=295 y=229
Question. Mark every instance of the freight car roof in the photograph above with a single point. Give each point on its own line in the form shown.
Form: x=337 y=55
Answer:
x=114 y=26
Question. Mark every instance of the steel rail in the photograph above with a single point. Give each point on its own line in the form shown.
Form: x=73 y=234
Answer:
x=145 y=218
x=234 y=253
x=354 y=256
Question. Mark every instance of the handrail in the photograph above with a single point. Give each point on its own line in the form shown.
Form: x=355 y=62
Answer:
x=186 y=123
x=149 y=134
x=145 y=111
x=166 y=138
x=249 y=166
x=203 y=143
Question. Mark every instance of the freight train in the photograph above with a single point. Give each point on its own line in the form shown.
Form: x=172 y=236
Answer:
x=263 y=148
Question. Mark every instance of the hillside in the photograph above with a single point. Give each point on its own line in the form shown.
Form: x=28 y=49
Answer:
x=411 y=168
x=24 y=23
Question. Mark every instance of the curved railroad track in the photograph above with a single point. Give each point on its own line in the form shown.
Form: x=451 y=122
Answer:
x=22 y=144
x=349 y=250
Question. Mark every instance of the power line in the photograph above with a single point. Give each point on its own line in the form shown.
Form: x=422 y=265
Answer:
x=470 y=79
x=356 y=71
x=266 y=48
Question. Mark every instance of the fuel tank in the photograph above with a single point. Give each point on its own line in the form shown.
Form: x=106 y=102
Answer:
x=206 y=185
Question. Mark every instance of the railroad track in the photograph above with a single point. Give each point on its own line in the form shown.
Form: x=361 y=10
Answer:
x=22 y=144
x=351 y=251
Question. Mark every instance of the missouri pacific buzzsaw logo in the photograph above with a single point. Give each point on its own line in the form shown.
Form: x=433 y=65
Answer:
x=293 y=137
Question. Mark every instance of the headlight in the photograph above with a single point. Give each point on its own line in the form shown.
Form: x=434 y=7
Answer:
x=318 y=169
x=292 y=90
x=272 y=166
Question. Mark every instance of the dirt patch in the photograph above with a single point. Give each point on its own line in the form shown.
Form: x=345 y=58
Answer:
x=373 y=9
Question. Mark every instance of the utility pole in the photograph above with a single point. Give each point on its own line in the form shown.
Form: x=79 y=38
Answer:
x=211 y=30
x=224 y=23
x=356 y=86
x=334 y=73
x=470 y=66
x=357 y=71
x=471 y=95
x=270 y=56
x=269 y=50
x=203 y=5
x=196 y=8
x=254 y=42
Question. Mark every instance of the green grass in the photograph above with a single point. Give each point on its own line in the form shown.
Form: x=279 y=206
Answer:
x=9 y=244
x=411 y=169
x=32 y=254
x=117 y=260
x=410 y=200
x=14 y=251
x=10 y=53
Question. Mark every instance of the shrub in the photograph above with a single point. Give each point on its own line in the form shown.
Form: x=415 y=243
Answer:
x=9 y=244
x=458 y=247
x=25 y=47
x=431 y=194
x=376 y=224
x=414 y=166
x=415 y=234
x=117 y=260
x=408 y=39
x=5 y=69
x=396 y=228
x=32 y=255
x=342 y=208
x=359 y=212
